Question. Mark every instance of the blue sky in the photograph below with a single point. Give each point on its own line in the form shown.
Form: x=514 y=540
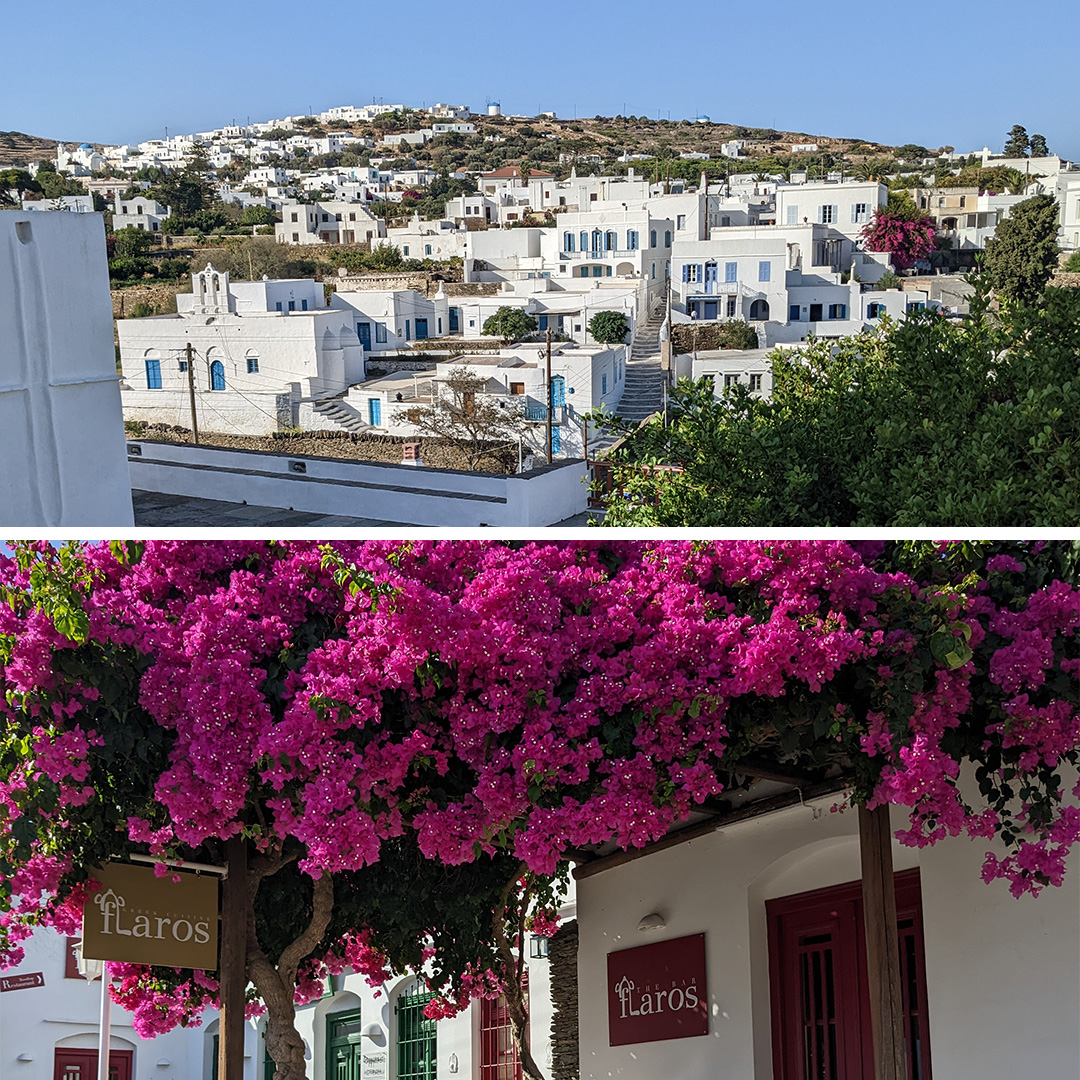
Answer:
x=959 y=75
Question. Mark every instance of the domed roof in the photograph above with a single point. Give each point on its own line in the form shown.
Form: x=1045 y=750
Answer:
x=85 y=146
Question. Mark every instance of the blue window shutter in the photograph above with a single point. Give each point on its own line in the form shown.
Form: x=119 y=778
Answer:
x=556 y=440
x=584 y=241
x=700 y=272
x=731 y=271
x=686 y=272
x=374 y=412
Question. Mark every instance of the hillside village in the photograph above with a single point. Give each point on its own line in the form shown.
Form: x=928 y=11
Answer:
x=486 y=291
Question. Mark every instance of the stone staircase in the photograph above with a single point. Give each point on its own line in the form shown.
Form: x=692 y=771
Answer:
x=341 y=414
x=643 y=392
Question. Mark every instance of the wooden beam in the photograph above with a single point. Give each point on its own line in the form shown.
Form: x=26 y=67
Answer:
x=882 y=944
x=233 y=965
x=764 y=770
x=692 y=832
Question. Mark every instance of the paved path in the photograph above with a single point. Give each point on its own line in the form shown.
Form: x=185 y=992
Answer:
x=186 y=512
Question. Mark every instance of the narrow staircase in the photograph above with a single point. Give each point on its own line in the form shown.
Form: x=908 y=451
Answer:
x=341 y=414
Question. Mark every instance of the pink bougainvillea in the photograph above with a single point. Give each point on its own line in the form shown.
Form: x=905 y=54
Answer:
x=489 y=700
x=906 y=240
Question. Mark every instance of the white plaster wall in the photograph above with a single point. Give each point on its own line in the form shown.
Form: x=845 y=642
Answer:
x=1003 y=977
x=60 y=418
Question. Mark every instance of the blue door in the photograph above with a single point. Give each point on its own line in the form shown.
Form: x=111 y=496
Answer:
x=455 y=319
x=543 y=320
x=556 y=440
x=363 y=332
x=421 y=329
x=710 y=309
x=558 y=391
x=217 y=375
x=374 y=411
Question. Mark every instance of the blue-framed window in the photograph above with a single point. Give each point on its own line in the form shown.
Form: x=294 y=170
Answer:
x=667 y=238
x=631 y=240
x=731 y=271
x=764 y=271
x=278 y=306
x=793 y=313
x=303 y=305
x=568 y=241
x=838 y=311
x=584 y=240
x=253 y=365
x=217 y=375
x=603 y=384
x=652 y=238
x=153 y=373
x=292 y=305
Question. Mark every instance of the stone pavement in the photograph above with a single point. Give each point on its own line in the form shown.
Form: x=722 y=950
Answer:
x=157 y=511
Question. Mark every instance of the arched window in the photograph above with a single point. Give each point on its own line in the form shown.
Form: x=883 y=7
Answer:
x=252 y=362
x=416 y=1043
x=217 y=375
x=343 y=1045
x=759 y=310
x=597 y=240
x=611 y=241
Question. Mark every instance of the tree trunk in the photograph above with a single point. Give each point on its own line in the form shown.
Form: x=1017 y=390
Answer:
x=277 y=985
x=515 y=995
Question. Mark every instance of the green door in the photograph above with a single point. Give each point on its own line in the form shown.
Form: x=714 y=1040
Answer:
x=416 y=1037
x=343 y=1046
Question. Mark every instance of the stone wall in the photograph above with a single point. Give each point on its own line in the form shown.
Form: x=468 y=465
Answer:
x=691 y=336
x=562 y=960
x=161 y=296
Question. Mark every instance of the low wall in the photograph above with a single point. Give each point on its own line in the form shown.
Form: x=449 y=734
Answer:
x=411 y=495
x=227 y=412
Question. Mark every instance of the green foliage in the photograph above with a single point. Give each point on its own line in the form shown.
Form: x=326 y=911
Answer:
x=1038 y=146
x=1016 y=142
x=16 y=180
x=173 y=269
x=1072 y=263
x=608 y=327
x=509 y=323
x=1022 y=255
x=737 y=334
x=995 y=179
x=130 y=242
x=889 y=280
x=925 y=423
x=258 y=215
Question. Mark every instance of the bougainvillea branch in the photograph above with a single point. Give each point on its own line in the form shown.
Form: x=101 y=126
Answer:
x=906 y=240
x=411 y=723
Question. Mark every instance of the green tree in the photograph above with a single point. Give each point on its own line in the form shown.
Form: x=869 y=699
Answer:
x=258 y=215
x=608 y=327
x=1023 y=253
x=951 y=425
x=1072 y=263
x=12 y=183
x=1039 y=147
x=1017 y=142
x=131 y=242
x=509 y=323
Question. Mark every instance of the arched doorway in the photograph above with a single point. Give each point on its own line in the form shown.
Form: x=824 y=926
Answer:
x=217 y=375
x=759 y=310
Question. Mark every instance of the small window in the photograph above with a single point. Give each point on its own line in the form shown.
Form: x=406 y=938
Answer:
x=253 y=365
x=292 y=305
x=793 y=313
x=838 y=311
x=427 y=249
x=730 y=380
x=352 y=217
x=295 y=238
x=731 y=272
x=860 y=212
x=667 y=238
x=793 y=215
x=380 y=333
x=652 y=238
x=732 y=307
x=827 y=215
x=517 y=389
x=764 y=271
x=680 y=221
x=278 y=306
x=337 y=217
x=603 y=384
x=405 y=250
x=755 y=383
x=303 y=305
x=183 y=366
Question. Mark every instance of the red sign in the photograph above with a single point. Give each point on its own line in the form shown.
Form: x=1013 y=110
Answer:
x=21 y=982
x=657 y=992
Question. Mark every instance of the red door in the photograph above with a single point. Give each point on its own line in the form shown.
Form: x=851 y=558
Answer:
x=74 y=1064
x=817 y=974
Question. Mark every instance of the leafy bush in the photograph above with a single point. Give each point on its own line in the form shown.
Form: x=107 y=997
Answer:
x=608 y=327
x=509 y=323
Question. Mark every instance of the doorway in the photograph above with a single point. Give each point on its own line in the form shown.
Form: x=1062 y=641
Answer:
x=75 y=1064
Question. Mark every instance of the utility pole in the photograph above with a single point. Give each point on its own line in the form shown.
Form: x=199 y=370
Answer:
x=191 y=395
x=549 y=405
x=233 y=969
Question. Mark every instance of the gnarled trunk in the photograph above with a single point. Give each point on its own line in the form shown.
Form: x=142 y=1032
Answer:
x=277 y=985
x=515 y=995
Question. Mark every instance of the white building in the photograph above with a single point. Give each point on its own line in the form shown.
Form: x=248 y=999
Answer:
x=583 y=379
x=763 y=916
x=61 y=429
x=74 y=204
x=262 y=353
x=50 y=1028
x=440 y=240
x=328 y=222
x=139 y=213
x=845 y=207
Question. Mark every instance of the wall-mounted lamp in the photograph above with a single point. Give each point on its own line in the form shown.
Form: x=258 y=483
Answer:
x=652 y=921
x=163 y=1063
x=25 y=1057
x=375 y=1033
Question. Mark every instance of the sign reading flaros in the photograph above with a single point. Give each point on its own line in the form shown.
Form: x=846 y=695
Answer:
x=657 y=991
x=140 y=918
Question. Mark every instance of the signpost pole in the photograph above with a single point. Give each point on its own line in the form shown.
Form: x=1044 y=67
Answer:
x=103 y=1036
x=233 y=970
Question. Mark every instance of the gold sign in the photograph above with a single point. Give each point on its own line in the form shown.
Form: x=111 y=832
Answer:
x=143 y=919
